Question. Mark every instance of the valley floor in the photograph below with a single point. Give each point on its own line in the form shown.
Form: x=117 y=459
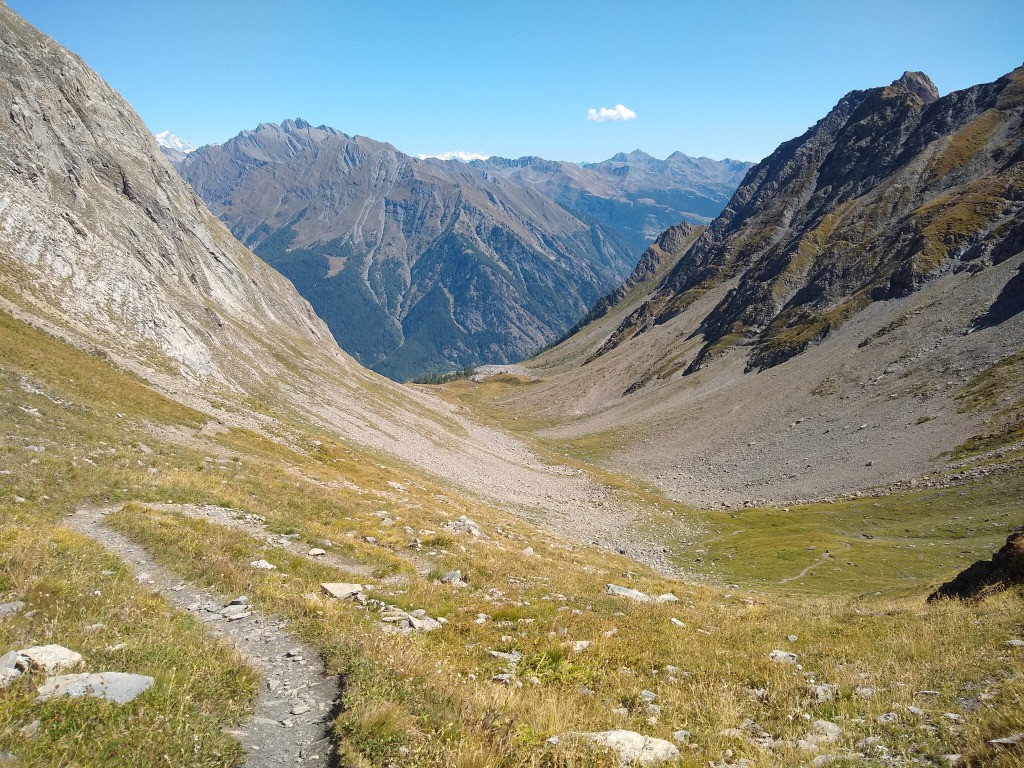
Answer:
x=532 y=646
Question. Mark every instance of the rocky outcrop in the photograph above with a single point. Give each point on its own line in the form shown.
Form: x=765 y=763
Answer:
x=894 y=187
x=101 y=238
x=1005 y=569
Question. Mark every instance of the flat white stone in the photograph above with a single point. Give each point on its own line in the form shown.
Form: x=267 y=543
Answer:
x=119 y=687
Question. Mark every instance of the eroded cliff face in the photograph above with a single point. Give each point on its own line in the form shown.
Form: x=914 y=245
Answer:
x=892 y=188
x=102 y=238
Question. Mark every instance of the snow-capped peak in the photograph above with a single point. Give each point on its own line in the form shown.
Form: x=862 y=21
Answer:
x=462 y=157
x=169 y=140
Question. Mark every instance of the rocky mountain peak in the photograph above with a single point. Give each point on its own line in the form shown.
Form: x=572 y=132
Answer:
x=878 y=199
x=919 y=84
x=637 y=155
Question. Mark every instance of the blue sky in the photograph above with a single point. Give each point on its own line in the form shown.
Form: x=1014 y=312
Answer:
x=721 y=79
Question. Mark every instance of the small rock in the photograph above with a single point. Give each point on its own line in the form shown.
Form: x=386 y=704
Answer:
x=676 y=622
x=240 y=600
x=1014 y=642
x=632 y=594
x=9 y=609
x=863 y=692
x=825 y=732
x=342 y=590
x=300 y=709
x=263 y=565
x=952 y=717
x=824 y=693
x=119 y=687
x=48 y=658
x=916 y=711
x=317 y=552
x=783 y=657
x=579 y=646
x=621 y=711
x=633 y=748
x=680 y=736
x=668 y=597
x=505 y=679
x=792 y=638
x=648 y=696
x=888 y=717
x=30 y=731
x=1015 y=740
x=465 y=525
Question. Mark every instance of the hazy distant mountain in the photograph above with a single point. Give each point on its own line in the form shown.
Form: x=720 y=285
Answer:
x=638 y=195
x=415 y=265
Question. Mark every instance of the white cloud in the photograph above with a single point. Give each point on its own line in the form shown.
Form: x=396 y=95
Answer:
x=619 y=113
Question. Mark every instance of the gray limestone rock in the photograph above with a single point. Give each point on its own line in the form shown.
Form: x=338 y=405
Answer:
x=119 y=687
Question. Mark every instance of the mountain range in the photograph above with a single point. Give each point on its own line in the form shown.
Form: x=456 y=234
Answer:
x=421 y=266
x=822 y=334
x=226 y=542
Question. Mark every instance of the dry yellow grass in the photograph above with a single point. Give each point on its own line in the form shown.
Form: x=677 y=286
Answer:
x=428 y=699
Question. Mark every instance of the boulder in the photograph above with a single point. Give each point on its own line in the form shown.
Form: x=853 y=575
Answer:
x=119 y=687
x=1005 y=569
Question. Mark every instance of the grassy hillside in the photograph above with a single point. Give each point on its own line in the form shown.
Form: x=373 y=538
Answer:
x=428 y=699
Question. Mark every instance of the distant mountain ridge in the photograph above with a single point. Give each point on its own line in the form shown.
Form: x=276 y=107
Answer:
x=638 y=194
x=420 y=266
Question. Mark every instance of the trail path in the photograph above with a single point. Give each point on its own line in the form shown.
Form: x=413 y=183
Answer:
x=825 y=558
x=294 y=679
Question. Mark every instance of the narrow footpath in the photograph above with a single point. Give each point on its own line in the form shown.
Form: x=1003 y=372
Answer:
x=293 y=713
